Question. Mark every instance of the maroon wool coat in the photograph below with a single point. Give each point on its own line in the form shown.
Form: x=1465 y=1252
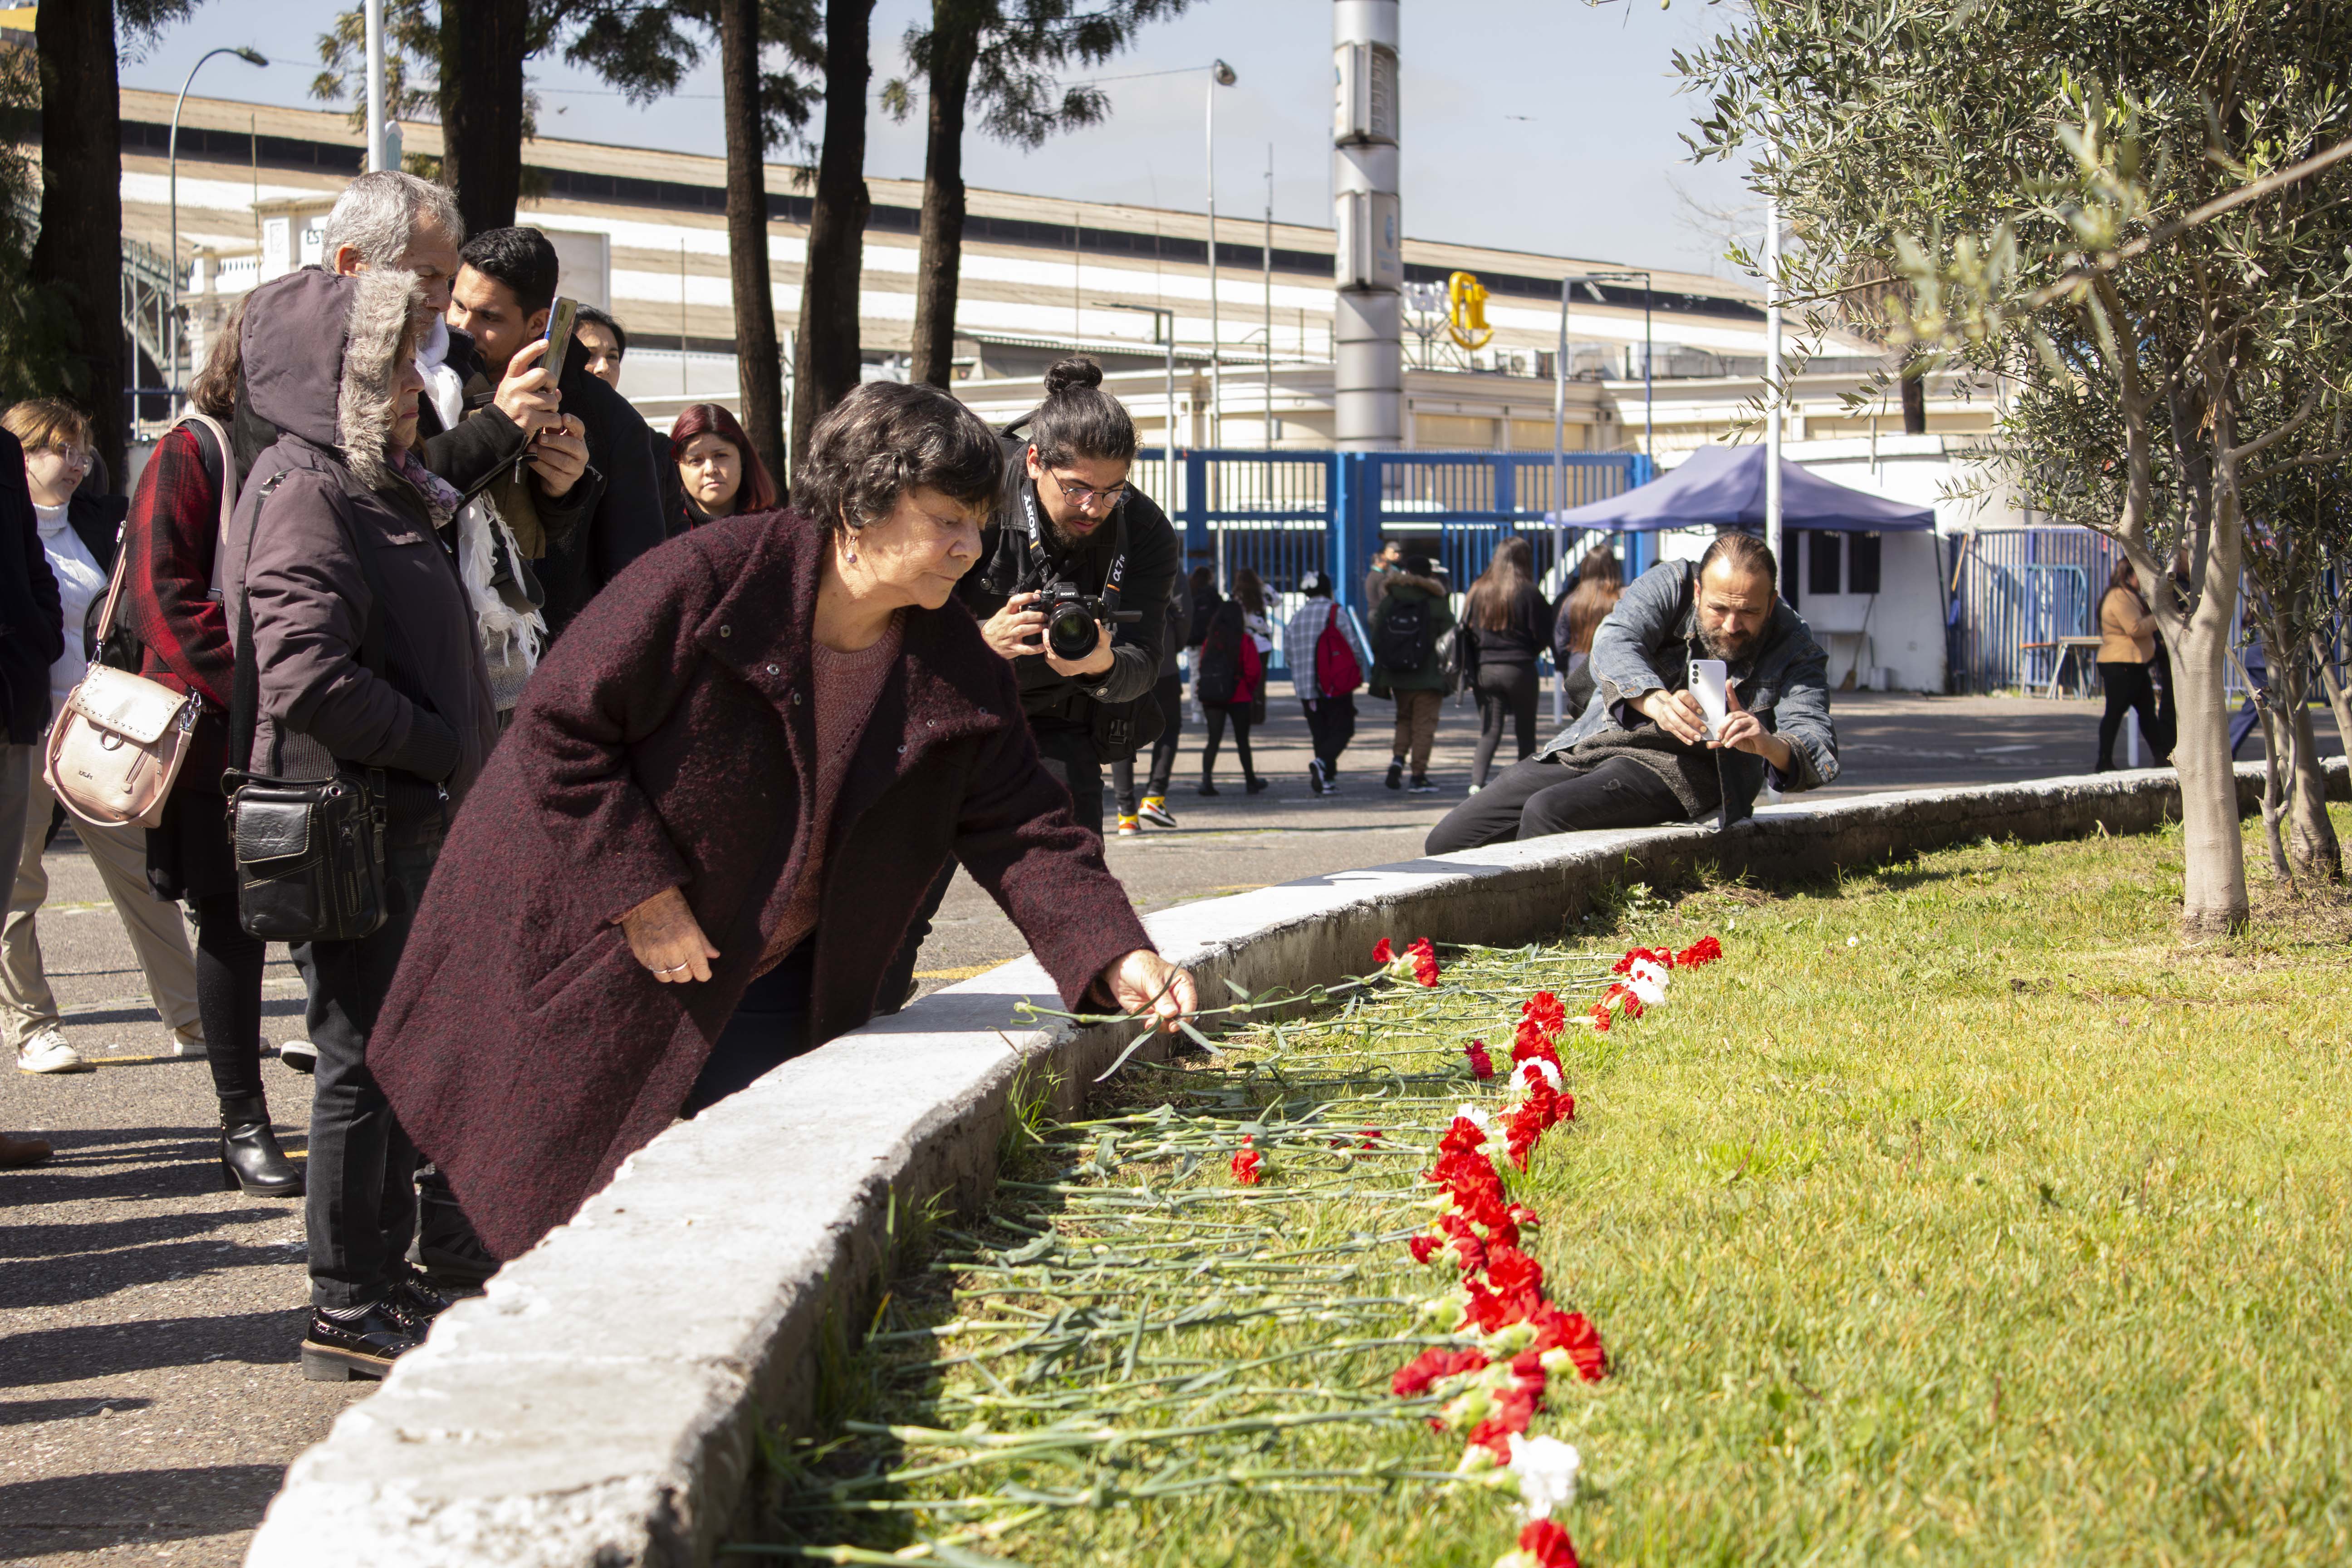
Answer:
x=666 y=741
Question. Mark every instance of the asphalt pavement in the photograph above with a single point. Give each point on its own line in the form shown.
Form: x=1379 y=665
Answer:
x=149 y=1391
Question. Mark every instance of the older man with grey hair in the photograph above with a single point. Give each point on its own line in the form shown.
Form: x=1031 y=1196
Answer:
x=392 y=219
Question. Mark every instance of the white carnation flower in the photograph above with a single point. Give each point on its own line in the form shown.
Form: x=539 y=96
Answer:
x=1545 y=1469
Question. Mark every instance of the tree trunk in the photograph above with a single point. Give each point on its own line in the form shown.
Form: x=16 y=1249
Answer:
x=2213 y=888
x=2339 y=697
x=483 y=44
x=955 y=43
x=79 y=258
x=1915 y=396
x=826 y=364
x=2311 y=843
x=759 y=364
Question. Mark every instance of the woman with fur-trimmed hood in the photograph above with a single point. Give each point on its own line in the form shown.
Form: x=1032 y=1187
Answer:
x=362 y=662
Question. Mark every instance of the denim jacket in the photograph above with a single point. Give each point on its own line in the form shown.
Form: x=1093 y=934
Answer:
x=1648 y=642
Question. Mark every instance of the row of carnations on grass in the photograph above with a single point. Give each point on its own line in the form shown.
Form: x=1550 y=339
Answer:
x=1492 y=1386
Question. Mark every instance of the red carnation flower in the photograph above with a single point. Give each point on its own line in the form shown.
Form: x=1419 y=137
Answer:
x=1382 y=954
x=1533 y=1047
x=1601 y=1016
x=1422 y=1246
x=1544 y=1011
x=1621 y=996
x=1548 y=1544
x=1573 y=1332
x=1414 y=1379
x=1462 y=1136
x=1482 y=1064
x=1425 y=962
x=1246 y=1163
x=1706 y=950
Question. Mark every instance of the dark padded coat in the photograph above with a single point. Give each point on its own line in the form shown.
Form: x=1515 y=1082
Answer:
x=668 y=741
x=32 y=618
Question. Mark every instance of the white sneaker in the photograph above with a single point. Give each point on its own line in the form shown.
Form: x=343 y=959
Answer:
x=47 y=1052
x=300 y=1054
x=189 y=1041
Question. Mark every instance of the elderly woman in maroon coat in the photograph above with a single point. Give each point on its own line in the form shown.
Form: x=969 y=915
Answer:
x=775 y=726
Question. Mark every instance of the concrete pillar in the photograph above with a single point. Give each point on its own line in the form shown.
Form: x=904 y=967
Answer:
x=1367 y=313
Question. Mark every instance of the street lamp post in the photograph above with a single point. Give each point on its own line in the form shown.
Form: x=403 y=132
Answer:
x=1220 y=75
x=252 y=57
x=1772 y=530
x=1560 y=412
x=1158 y=314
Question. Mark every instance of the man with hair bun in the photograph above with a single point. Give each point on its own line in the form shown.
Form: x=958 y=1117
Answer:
x=1642 y=753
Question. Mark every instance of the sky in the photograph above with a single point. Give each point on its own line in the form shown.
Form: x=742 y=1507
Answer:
x=1541 y=125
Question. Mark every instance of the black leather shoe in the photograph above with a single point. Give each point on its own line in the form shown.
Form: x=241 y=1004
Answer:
x=365 y=1347
x=415 y=1302
x=251 y=1162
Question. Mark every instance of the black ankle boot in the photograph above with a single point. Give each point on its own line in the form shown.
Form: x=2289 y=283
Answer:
x=251 y=1161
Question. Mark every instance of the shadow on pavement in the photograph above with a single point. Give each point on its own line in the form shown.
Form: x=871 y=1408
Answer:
x=90 y=1512
x=14 y=1411
x=91 y=1351
x=87 y=1275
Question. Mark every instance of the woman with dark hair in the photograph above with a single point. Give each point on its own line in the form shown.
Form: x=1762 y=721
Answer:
x=1233 y=682
x=1600 y=583
x=2127 y=648
x=721 y=806
x=172 y=541
x=1508 y=625
x=720 y=473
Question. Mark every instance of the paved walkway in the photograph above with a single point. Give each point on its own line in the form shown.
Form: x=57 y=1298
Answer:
x=149 y=1394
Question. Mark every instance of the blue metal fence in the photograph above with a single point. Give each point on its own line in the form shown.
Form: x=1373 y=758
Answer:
x=1285 y=514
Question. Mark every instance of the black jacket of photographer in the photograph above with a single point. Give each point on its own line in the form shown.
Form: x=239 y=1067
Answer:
x=1008 y=565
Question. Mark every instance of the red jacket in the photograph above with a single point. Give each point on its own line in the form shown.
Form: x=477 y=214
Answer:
x=666 y=741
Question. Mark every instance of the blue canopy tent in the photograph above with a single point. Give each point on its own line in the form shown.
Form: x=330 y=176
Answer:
x=1722 y=487
x=1836 y=582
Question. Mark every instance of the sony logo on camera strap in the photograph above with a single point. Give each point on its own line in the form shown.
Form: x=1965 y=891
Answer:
x=1044 y=567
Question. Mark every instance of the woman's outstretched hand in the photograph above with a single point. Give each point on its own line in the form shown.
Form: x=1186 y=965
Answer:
x=664 y=935
x=1144 y=984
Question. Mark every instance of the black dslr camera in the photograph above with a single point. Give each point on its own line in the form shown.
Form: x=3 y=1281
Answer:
x=1073 y=619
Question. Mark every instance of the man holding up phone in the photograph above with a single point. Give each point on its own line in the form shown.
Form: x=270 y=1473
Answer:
x=1642 y=753
x=586 y=500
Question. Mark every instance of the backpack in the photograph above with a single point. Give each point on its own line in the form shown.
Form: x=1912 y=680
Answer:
x=1217 y=671
x=1401 y=644
x=1336 y=672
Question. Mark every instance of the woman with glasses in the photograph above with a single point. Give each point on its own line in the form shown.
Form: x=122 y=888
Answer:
x=80 y=536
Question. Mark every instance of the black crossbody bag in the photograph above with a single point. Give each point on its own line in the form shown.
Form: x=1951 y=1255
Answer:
x=309 y=852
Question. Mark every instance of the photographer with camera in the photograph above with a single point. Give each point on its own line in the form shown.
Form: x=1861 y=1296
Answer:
x=1074 y=577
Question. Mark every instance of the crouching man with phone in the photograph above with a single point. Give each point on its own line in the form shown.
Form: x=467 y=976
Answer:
x=1647 y=748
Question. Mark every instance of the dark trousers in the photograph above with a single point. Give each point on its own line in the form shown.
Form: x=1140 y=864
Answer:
x=1505 y=691
x=1331 y=721
x=2127 y=687
x=228 y=999
x=1170 y=695
x=362 y=1206
x=1218 y=712
x=1069 y=756
x=1541 y=795
x=770 y=1026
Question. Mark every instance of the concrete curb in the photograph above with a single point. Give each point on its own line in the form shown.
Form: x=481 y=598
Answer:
x=600 y=1405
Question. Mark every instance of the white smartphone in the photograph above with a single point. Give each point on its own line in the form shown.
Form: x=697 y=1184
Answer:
x=1707 y=679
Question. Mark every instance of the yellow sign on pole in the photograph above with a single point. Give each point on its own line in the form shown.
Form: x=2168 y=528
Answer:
x=16 y=18
x=1465 y=311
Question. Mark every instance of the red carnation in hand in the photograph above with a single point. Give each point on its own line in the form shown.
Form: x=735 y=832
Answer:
x=1425 y=962
x=1547 y=1545
x=1482 y=1064
x=1706 y=950
x=1246 y=1163
x=1414 y=1379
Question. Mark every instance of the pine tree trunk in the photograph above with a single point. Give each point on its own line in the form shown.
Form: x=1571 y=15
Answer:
x=759 y=362
x=826 y=364
x=483 y=42
x=2213 y=887
x=79 y=258
x=955 y=43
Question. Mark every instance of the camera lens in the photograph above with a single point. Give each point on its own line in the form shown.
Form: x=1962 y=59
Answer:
x=1070 y=632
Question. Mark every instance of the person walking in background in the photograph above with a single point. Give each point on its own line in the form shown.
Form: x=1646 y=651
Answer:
x=170 y=545
x=2127 y=647
x=1325 y=647
x=1600 y=583
x=717 y=468
x=1507 y=624
x=31 y=637
x=340 y=527
x=1386 y=559
x=79 y=534
x=1233 y=682
x=1169 y=696
x=1408 y=627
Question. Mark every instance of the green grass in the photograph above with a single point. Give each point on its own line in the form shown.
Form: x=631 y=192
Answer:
x=1960 y=1215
